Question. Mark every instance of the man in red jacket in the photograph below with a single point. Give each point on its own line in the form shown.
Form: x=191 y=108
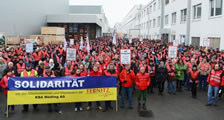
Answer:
x=126 y=77
x=78 y=105
x=111 y=71
x=95 y=72
x=4 y=85
x=214 y=81
x=142 y=80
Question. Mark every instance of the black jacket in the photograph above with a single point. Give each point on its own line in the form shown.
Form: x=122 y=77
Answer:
x=161 y=74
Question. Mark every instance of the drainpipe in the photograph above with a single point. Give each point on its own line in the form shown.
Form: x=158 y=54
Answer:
x=187 y=41
x=162 y=16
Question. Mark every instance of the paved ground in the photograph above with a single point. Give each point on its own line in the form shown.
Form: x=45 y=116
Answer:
x=167 y=107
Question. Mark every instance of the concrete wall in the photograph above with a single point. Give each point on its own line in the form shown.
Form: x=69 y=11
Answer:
x=81 y=9
x=25 y=17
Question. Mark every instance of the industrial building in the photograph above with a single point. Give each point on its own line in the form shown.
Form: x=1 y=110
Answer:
x=30 y=16
x=186 y=21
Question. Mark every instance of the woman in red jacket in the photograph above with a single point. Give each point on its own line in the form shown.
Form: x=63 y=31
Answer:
x=194 y=79
x=142 y=80
x=4 y=85
x=126 y=77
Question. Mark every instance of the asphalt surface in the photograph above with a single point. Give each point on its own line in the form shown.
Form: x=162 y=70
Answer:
x=167 y=107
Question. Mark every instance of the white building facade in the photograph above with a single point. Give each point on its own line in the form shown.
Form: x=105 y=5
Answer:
x=193 y=22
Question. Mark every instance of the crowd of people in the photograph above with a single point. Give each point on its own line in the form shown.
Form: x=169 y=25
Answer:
x=150 y=69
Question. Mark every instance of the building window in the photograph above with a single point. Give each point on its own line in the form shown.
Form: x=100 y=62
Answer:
x=154 y=6
x=150 y=11
x=150 y=23
x=147 y=11
x=173 y=37
x=197 y=11
x=215 y=7
x=183 y=15
x=154 y=23
x=158 y=21
x=166 y=2
x=166 y=19
x=174 y=17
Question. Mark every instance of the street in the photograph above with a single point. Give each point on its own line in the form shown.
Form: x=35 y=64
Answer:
x=168 y=107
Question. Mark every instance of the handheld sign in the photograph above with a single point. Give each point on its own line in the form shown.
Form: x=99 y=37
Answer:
x=71 y=42
x=130 y=41
x=206 y=42
x=125 y=56
x=175 y=43
x=29 y=47
x=172 y=53
x=71 y=54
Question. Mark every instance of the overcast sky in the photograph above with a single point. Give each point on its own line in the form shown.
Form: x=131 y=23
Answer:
x=115 y=10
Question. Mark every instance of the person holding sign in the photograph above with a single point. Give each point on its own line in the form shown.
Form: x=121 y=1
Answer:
x=111 y=71
x=126 y=77
x=29 y=72
x=78 y=105
x=4 y=85
x=49 y=73
x=95 y=72
x=142 y=80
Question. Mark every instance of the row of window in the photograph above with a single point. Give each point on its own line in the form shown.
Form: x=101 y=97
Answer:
x=150 y=9
x=149 y=24
x=215 y=8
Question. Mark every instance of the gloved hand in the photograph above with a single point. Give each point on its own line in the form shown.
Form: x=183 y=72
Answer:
x=125 y=81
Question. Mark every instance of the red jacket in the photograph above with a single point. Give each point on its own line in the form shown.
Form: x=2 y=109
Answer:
x=4 y=83
x=110 y=74
x=68 y=70
x=75 y=75
x=194 y=75
x=214 y=78
x=84 y=73
x=52 y=74
x=93 y=73
x=129 y=77
x=142 y=81
x=20 y=68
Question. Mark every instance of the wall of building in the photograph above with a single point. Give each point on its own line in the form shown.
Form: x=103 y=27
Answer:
x=82 y=9
x=204 y=28
x=25 y=17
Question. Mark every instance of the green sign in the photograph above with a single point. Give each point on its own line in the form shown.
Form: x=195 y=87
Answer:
x=2 y=39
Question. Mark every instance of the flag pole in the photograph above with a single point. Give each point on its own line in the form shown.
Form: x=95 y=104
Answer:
x=116 y=106
x=7 y=112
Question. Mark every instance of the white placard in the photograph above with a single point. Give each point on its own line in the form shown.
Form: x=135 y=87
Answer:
x=130 y=41
x=206 y=42
x=71 y=54
x=175 y=43
x=172 y=53
x=71 y=42
x=125 y=56
x=29 y=47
